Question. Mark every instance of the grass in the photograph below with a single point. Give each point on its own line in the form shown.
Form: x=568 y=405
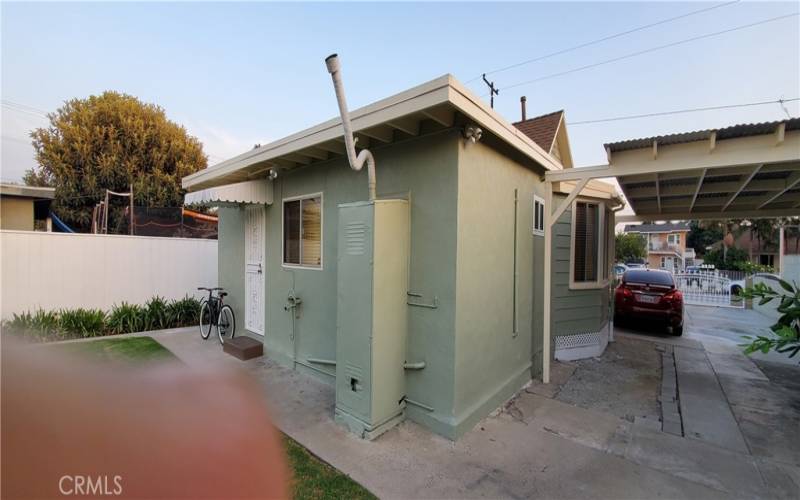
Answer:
x=314 y=479
x=124 y=349
x=311 y=477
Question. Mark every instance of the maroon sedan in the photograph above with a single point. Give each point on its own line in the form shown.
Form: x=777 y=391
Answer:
x=649 y=295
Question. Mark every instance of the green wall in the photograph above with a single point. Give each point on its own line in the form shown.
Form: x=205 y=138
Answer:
x=493 y=351
x=230 y=256
x=424 y=171
x=573 y=311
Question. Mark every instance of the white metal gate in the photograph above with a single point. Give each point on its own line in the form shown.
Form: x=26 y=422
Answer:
x=254 y=242
x=707 y=289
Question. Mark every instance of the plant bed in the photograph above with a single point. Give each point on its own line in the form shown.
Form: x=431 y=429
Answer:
x=131 y=349
x=66 y=324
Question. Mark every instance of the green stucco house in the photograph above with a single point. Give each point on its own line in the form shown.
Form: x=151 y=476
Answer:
x=426 y=303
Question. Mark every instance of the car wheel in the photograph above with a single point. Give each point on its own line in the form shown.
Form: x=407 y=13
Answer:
x=736 y=290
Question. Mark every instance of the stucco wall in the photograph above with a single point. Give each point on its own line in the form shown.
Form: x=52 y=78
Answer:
x=16 y=213
x=573 y=311
x=493 y=350
x=425 y=172
x=231 y=261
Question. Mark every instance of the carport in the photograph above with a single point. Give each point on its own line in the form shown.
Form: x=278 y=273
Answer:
x=742 y=171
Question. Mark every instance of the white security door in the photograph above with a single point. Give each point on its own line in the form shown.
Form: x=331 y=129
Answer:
x=254 y=240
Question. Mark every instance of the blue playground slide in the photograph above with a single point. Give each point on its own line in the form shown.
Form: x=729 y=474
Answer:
x=59 y=224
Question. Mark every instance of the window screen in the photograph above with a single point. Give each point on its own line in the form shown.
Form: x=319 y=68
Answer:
x=587 y=221
x=302 y=232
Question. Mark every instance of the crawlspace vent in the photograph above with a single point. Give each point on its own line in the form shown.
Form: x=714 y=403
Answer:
x=579 y=340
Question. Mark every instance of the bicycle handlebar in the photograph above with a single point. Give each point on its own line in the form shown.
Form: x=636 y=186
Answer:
x=210 y=289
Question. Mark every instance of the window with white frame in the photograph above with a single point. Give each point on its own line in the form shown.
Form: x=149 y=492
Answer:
x=587 y=245
x=674 y=239
x=538 y=215
x=302 y=231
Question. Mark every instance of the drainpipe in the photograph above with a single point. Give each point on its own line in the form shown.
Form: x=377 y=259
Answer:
x=356 y=161
x=611 y=265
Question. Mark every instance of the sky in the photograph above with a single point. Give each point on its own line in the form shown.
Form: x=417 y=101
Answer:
x=237 y=74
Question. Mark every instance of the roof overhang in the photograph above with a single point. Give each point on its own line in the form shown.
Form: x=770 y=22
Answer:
x=740 y=176
x=429 y=107
x=42 y=193
x=258 y=191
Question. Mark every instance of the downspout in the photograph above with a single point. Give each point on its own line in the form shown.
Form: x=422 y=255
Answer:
x=356 y=161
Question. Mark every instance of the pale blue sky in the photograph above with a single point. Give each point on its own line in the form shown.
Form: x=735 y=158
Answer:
x=239 y=73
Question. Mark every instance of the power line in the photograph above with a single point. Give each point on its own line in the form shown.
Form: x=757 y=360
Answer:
x=646 y=51
x=680 y=111
x=604 y=39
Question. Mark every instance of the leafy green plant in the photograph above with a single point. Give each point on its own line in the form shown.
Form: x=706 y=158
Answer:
x=785 y=337
x=34 y=326
x=183 y=312
x=82 y=322
x=126 y=318
x=156 y=314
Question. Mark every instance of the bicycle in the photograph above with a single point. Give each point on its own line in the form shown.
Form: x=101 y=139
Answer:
x=214 y=312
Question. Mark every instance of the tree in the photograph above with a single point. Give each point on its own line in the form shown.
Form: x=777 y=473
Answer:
x=111 y=141
x=629 y=246
x=703 y=234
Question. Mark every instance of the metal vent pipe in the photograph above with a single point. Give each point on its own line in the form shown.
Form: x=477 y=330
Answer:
x=356 y=161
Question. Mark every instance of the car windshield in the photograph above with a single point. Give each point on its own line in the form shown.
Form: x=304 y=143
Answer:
x=649 y=278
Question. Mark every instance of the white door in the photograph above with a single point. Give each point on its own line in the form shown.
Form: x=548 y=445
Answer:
x=254 y=240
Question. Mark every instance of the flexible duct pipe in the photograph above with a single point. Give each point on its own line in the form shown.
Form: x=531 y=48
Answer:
x=356 y=161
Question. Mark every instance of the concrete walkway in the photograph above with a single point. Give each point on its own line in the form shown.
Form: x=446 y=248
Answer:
x=535 y=447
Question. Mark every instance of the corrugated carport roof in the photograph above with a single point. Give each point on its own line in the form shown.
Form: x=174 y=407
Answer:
x=732 y=132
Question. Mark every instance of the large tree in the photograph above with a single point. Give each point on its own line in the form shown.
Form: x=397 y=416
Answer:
x=630 y=247
x=111 y=141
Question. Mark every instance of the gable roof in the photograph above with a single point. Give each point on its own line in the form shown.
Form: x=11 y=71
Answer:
x=436 y=102
x=542 y=129
x=657 y=228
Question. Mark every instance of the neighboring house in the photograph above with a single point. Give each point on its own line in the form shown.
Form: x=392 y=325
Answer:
x=426 y=304
x=765 y=251
x=666 y=245
x=25 y=208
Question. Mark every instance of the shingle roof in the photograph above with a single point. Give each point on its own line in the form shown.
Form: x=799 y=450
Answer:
x=542 y=129
x=657 y=228
x=732 y=132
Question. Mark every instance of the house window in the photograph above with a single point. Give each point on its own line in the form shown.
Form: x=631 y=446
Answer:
x=586 y=231
x=674 y=239
x=302 y=231
x=538 y=215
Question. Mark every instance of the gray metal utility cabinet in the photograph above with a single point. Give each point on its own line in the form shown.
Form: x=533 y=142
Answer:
x=373 y=254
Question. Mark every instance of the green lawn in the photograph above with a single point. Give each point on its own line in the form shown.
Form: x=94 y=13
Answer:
x=124 y=349
x=312 y=478
x=315 y=479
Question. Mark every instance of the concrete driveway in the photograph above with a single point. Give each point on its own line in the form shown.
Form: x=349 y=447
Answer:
x=541 y=445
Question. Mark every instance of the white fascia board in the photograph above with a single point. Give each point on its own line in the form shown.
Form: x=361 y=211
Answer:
x=442 y=90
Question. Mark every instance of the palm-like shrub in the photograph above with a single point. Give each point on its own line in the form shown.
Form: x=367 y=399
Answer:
x=81 y=322
x=183 y=312
x=126 y=318
x=156 y=314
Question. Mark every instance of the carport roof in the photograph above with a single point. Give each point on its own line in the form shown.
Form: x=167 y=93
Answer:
x=742 y=171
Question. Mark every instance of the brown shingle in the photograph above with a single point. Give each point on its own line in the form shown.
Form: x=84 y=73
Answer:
x=542 y=129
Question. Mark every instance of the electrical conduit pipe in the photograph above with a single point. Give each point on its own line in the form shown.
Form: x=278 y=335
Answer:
x=356 y=161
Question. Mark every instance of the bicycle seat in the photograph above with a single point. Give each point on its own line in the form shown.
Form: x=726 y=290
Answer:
x=223 y=294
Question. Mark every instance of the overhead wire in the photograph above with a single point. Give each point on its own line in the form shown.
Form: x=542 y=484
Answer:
x=648 y=50
x=603 y=39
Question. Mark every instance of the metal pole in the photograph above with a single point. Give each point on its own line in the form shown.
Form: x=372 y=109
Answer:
x=131 y=195
x=105 y=216
x=548 y=251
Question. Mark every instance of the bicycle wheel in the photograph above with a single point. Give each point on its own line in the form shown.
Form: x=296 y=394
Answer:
x=226 y=324
x=205 y=320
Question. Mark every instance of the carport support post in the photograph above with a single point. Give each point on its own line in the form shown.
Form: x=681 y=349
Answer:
x=548 y=250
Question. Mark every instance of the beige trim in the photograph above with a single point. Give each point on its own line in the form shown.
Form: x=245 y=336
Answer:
x=45 y=193
x=301 y=197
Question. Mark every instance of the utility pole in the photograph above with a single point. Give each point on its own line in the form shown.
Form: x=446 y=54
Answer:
x=131 y=195
x=492 y=91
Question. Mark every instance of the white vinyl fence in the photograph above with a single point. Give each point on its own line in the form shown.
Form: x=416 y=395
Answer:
x=707 y=289
x=60 y=270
